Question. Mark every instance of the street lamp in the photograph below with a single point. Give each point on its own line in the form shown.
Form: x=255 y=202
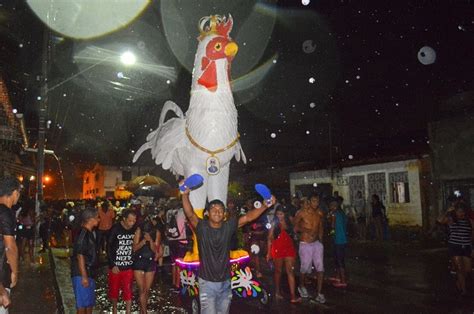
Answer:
x=47 y=178
x=127 y=58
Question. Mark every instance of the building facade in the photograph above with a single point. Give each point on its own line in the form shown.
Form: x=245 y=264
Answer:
x=451 y=138
x=402 y=185
x=103 y=181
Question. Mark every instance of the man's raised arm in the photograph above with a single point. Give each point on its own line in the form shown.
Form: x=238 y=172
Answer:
x=255 y=213
x=188 y=209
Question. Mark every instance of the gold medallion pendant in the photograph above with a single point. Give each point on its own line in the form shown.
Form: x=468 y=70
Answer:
x=213 y=165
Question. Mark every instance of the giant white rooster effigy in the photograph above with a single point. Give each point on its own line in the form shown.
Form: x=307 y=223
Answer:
x=205 y=139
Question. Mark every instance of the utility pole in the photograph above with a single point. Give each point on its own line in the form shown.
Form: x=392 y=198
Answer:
x=42 y=117
x=330 y=149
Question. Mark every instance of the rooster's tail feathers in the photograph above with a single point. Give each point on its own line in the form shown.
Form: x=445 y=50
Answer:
x=239 y=154
x=170 y=106
x=153 y=138
x=140 y=151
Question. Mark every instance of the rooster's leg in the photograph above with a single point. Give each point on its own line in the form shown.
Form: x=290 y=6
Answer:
x=198 y=196
x=217 y=186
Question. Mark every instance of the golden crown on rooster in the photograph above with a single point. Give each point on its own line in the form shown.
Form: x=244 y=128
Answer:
x=215 y=25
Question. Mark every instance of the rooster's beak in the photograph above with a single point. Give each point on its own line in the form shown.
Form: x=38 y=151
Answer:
x=231 y=49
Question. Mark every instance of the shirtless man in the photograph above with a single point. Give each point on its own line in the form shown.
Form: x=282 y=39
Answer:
x=309 y=224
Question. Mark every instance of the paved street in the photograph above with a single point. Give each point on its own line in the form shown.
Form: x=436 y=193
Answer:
x=36 y=291
x=389 y=278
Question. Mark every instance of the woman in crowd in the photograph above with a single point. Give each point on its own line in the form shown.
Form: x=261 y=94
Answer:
x=146 y=240
x=378 y=216
x=26 y=232
x=160 y=221
x=282 y=251
x=459 y=242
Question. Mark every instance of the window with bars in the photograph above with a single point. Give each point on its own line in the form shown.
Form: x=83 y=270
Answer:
x=356 y=183
x=399 y=187
x=377 y=185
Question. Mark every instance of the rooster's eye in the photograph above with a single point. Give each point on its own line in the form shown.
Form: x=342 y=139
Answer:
x=218 y=47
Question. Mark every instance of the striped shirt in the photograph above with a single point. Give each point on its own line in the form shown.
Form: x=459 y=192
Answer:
x=460 y=232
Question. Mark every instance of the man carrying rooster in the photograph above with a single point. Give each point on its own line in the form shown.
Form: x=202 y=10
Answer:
x=214 y=237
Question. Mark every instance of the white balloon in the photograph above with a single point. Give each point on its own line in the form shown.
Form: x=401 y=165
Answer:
x=141 y=44
x=427 y=55
x=309 y=46
x=71 y=218
x=255 y=249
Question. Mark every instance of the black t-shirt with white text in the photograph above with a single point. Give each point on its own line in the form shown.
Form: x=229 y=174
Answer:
x=7 y=228
x=85 y=245
x=120 y=251
x=214 y=249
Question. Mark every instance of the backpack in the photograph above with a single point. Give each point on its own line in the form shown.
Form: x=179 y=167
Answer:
x=171 y=229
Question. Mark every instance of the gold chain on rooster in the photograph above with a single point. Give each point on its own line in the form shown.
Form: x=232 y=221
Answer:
x=212 y=163
x=211 y=152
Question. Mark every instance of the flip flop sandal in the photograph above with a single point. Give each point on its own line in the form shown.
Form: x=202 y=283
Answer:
x=339 y=285
x=192 y=182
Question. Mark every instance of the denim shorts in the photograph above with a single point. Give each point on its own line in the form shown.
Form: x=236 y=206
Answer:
x=214 y=297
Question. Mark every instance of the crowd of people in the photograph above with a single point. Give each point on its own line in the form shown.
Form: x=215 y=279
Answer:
x=131 y=239
x=134 y=238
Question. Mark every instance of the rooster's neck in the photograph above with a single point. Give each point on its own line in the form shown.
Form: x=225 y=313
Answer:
x=212 y=116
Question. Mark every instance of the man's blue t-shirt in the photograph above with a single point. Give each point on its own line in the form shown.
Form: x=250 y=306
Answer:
x=340 y=227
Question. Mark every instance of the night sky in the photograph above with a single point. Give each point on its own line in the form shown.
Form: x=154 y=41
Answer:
x=351 y=67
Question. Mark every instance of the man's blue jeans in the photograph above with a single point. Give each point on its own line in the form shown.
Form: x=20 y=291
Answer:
x=214 y=297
